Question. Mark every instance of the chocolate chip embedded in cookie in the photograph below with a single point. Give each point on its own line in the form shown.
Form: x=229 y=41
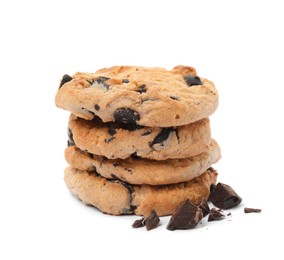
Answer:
x=143 y=171
x=116 y=197
x=121 y=140
x=153 y=97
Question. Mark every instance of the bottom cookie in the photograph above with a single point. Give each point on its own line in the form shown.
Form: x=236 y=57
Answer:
x=116 y=197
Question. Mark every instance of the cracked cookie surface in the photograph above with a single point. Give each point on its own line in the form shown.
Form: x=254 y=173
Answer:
x=118 y=140
x=116 y=197
x=153 y=97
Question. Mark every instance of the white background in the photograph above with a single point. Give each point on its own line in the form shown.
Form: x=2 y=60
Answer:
x=236 y=44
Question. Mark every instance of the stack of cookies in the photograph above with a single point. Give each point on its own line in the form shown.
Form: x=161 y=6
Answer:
x=139 y=138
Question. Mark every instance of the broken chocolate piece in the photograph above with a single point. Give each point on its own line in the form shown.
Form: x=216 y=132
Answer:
x=130 y=127
x=66 y=78
x=152 y=221
x=204 y=207
x=187 y=216
x=162 y=136
x=139 y=223
x=252 y=210
x=147 y=133
x=192 y=80
x=215 y=214
x=110 y=139
x=224 y=197
x=126 y=116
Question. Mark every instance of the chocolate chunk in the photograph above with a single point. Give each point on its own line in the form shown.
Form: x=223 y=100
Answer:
x=97 y=107
x=215 y=214
x=134 y=156
x=126 y=115
x=112 y=131
x=192 y=80
x=70 y=138
x=204 y=207
x=187 y=216
x=162 y=136
x=252 y=210
x=224 y=197
x=139 y=223
x=147 y=133
x=110 y=139
x=152 y=221
x=125 y=81
x=66 y=78
x=142 y=89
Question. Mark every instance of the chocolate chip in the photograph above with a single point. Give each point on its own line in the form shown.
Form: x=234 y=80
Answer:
x=134 y=156
x=187 y=216
x=252 y=210
x=110 y=139
x=115 y=164
x=204 y=207
x=152 y=221
x=130 y=127
x=70 y=138
x=215 y=214
x=147 y=133
x=125 y=81
x=139 y=223
x=174 y=98
x=66 y=78
x=126 y=115
x=112 y=131
x=97 y=107
x=162 y=136
x=142 y=89
x=100 y=81
x=229 y=214
x=91 y=155
x=192 y=80
x=224 y=197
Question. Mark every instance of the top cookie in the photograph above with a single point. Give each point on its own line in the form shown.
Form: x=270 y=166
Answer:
x=153 y=97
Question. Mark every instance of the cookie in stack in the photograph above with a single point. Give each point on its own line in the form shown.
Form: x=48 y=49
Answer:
x=139 y=138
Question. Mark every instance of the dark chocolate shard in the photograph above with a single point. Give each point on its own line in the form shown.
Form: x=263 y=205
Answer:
x=204 y=207
x=66 y=78
x=162 y=136
x=215 y=214
x=97 y=107
x=152 y=221
x=70 y=138
x=125 y=81
x=224 y=197
x=192 y=80
x=252 y=210
x=187 y=216
x=139 y=223
x=126 y=116
x=134 y=156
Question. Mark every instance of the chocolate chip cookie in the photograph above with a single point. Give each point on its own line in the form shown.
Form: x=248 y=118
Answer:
x=116 y=197
x=118 y=140
x=136 y=170
x=153 y=97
